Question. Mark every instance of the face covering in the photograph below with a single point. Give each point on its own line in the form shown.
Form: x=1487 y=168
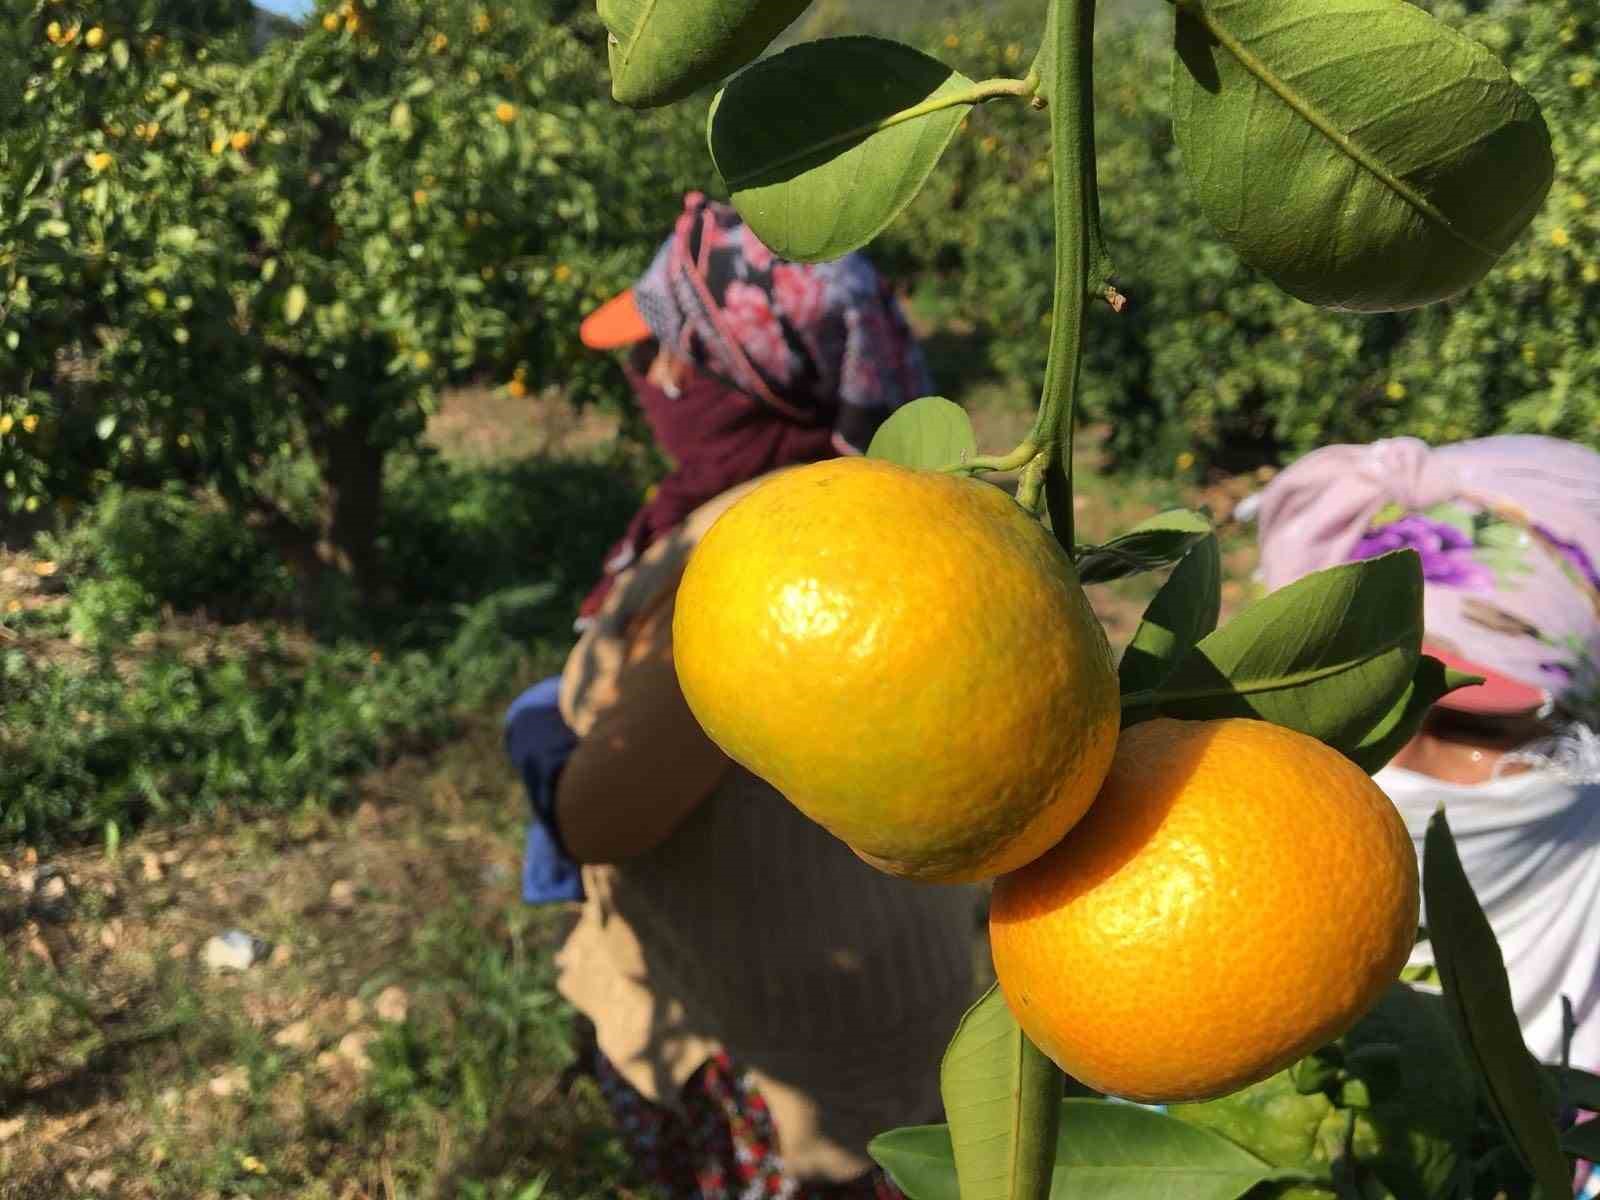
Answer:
x=1530 y=845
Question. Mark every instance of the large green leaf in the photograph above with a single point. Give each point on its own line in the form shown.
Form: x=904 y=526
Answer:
x=1104 y=1150
x=920 y=1161
x=1182 y=612
x=1478 y=994
x=1154 y=542
x=824 y=144
x=1001 y=1097
x=1359 y=152
x=1583 y=1141
x=1576 y=1087
x=1384 y=740
x=662 y=50
x=1330 y=655
x=927 y=434
x=1115 y=1151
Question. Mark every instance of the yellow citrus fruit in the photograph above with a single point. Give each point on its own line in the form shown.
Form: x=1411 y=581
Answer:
x=908 y=657
x=1239 y=895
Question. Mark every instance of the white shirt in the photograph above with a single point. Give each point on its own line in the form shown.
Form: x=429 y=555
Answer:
x=1530 y=845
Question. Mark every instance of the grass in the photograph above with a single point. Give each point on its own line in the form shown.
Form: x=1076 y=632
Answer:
x=344 y=796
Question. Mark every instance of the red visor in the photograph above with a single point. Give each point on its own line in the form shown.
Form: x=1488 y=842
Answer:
x=1497 y=696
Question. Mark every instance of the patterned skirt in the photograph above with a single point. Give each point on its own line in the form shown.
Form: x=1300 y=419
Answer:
x=722 y=1146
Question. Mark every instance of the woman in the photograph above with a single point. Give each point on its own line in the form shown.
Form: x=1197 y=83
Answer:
x=1508 y=530
x=763 y=1002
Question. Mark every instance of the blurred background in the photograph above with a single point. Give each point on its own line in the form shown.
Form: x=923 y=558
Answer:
x=303 y=470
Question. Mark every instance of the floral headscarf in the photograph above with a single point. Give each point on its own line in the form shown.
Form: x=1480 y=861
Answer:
x=813 y=341
x=1508 y=529
x=795 y=363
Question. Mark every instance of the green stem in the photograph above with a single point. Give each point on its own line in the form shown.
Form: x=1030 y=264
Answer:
x=1037 y=1118
x=1014 y=460
x=1082 y=266
x=986 y=89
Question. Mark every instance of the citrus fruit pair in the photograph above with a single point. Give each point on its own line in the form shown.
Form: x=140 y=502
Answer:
x=908 y=657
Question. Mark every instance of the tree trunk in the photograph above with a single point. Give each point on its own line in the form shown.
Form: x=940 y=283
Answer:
x=352 y=480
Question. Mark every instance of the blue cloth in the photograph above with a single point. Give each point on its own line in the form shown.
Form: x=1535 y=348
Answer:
x=539 y=742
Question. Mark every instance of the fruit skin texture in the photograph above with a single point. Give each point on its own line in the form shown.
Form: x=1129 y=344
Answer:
x=1239 y=895
x=908 y=657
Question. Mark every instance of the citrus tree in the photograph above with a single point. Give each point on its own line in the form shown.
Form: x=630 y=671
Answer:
x=1141 y=820
x=254 y=265
x=1213 y=364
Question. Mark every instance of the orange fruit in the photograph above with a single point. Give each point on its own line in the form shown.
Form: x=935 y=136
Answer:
x=1238 y=895
x=908 y=657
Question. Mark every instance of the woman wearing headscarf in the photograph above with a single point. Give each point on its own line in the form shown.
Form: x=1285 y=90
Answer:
x=763 y=1002
x=1508 y=531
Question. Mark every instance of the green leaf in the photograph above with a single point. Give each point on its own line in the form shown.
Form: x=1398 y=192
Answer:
x=823 y=145
x=663 y=50
x=919 y=1160
x=1359 y=152
x=1579 y=1088
x=180 y=237
x=1155 y=542
x=1104 y=1150
x=1384 y=740
x=1001 y=1097
x=927 y=434
x=1182 y=612
x=1582 y=1141
x=1114 y=1151
x=294 y=304
x=1330 y=655
x=1473 y=973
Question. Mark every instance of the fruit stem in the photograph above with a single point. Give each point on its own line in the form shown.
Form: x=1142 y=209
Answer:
x=1079 y=245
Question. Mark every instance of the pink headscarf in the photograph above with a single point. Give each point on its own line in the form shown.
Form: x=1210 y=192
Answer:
x=1508 y=529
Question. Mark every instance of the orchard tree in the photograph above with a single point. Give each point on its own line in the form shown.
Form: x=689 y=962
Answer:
x=256 y=269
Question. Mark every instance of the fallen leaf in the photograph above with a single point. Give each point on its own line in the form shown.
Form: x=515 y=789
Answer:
x=10 y=1129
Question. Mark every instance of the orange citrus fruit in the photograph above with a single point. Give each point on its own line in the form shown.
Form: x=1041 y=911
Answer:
x=1238 y=895
x=908 y=657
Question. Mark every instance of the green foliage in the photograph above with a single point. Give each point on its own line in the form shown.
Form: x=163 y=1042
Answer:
x=214 y=262
x=662 y=52
x=1002 y=1098
x=1390 y=1103
x=1185 y=610
x=1211 y=365
x=928 y=433
x=176 y=550
x=1157 y=541
x=1478 y=999
x=1377 y=173
x=252 y=719
x=816 y=183
x=466 y=1048
x=1105 y=1148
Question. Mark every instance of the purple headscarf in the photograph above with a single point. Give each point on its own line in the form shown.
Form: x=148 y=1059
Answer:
x=1508 y=529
